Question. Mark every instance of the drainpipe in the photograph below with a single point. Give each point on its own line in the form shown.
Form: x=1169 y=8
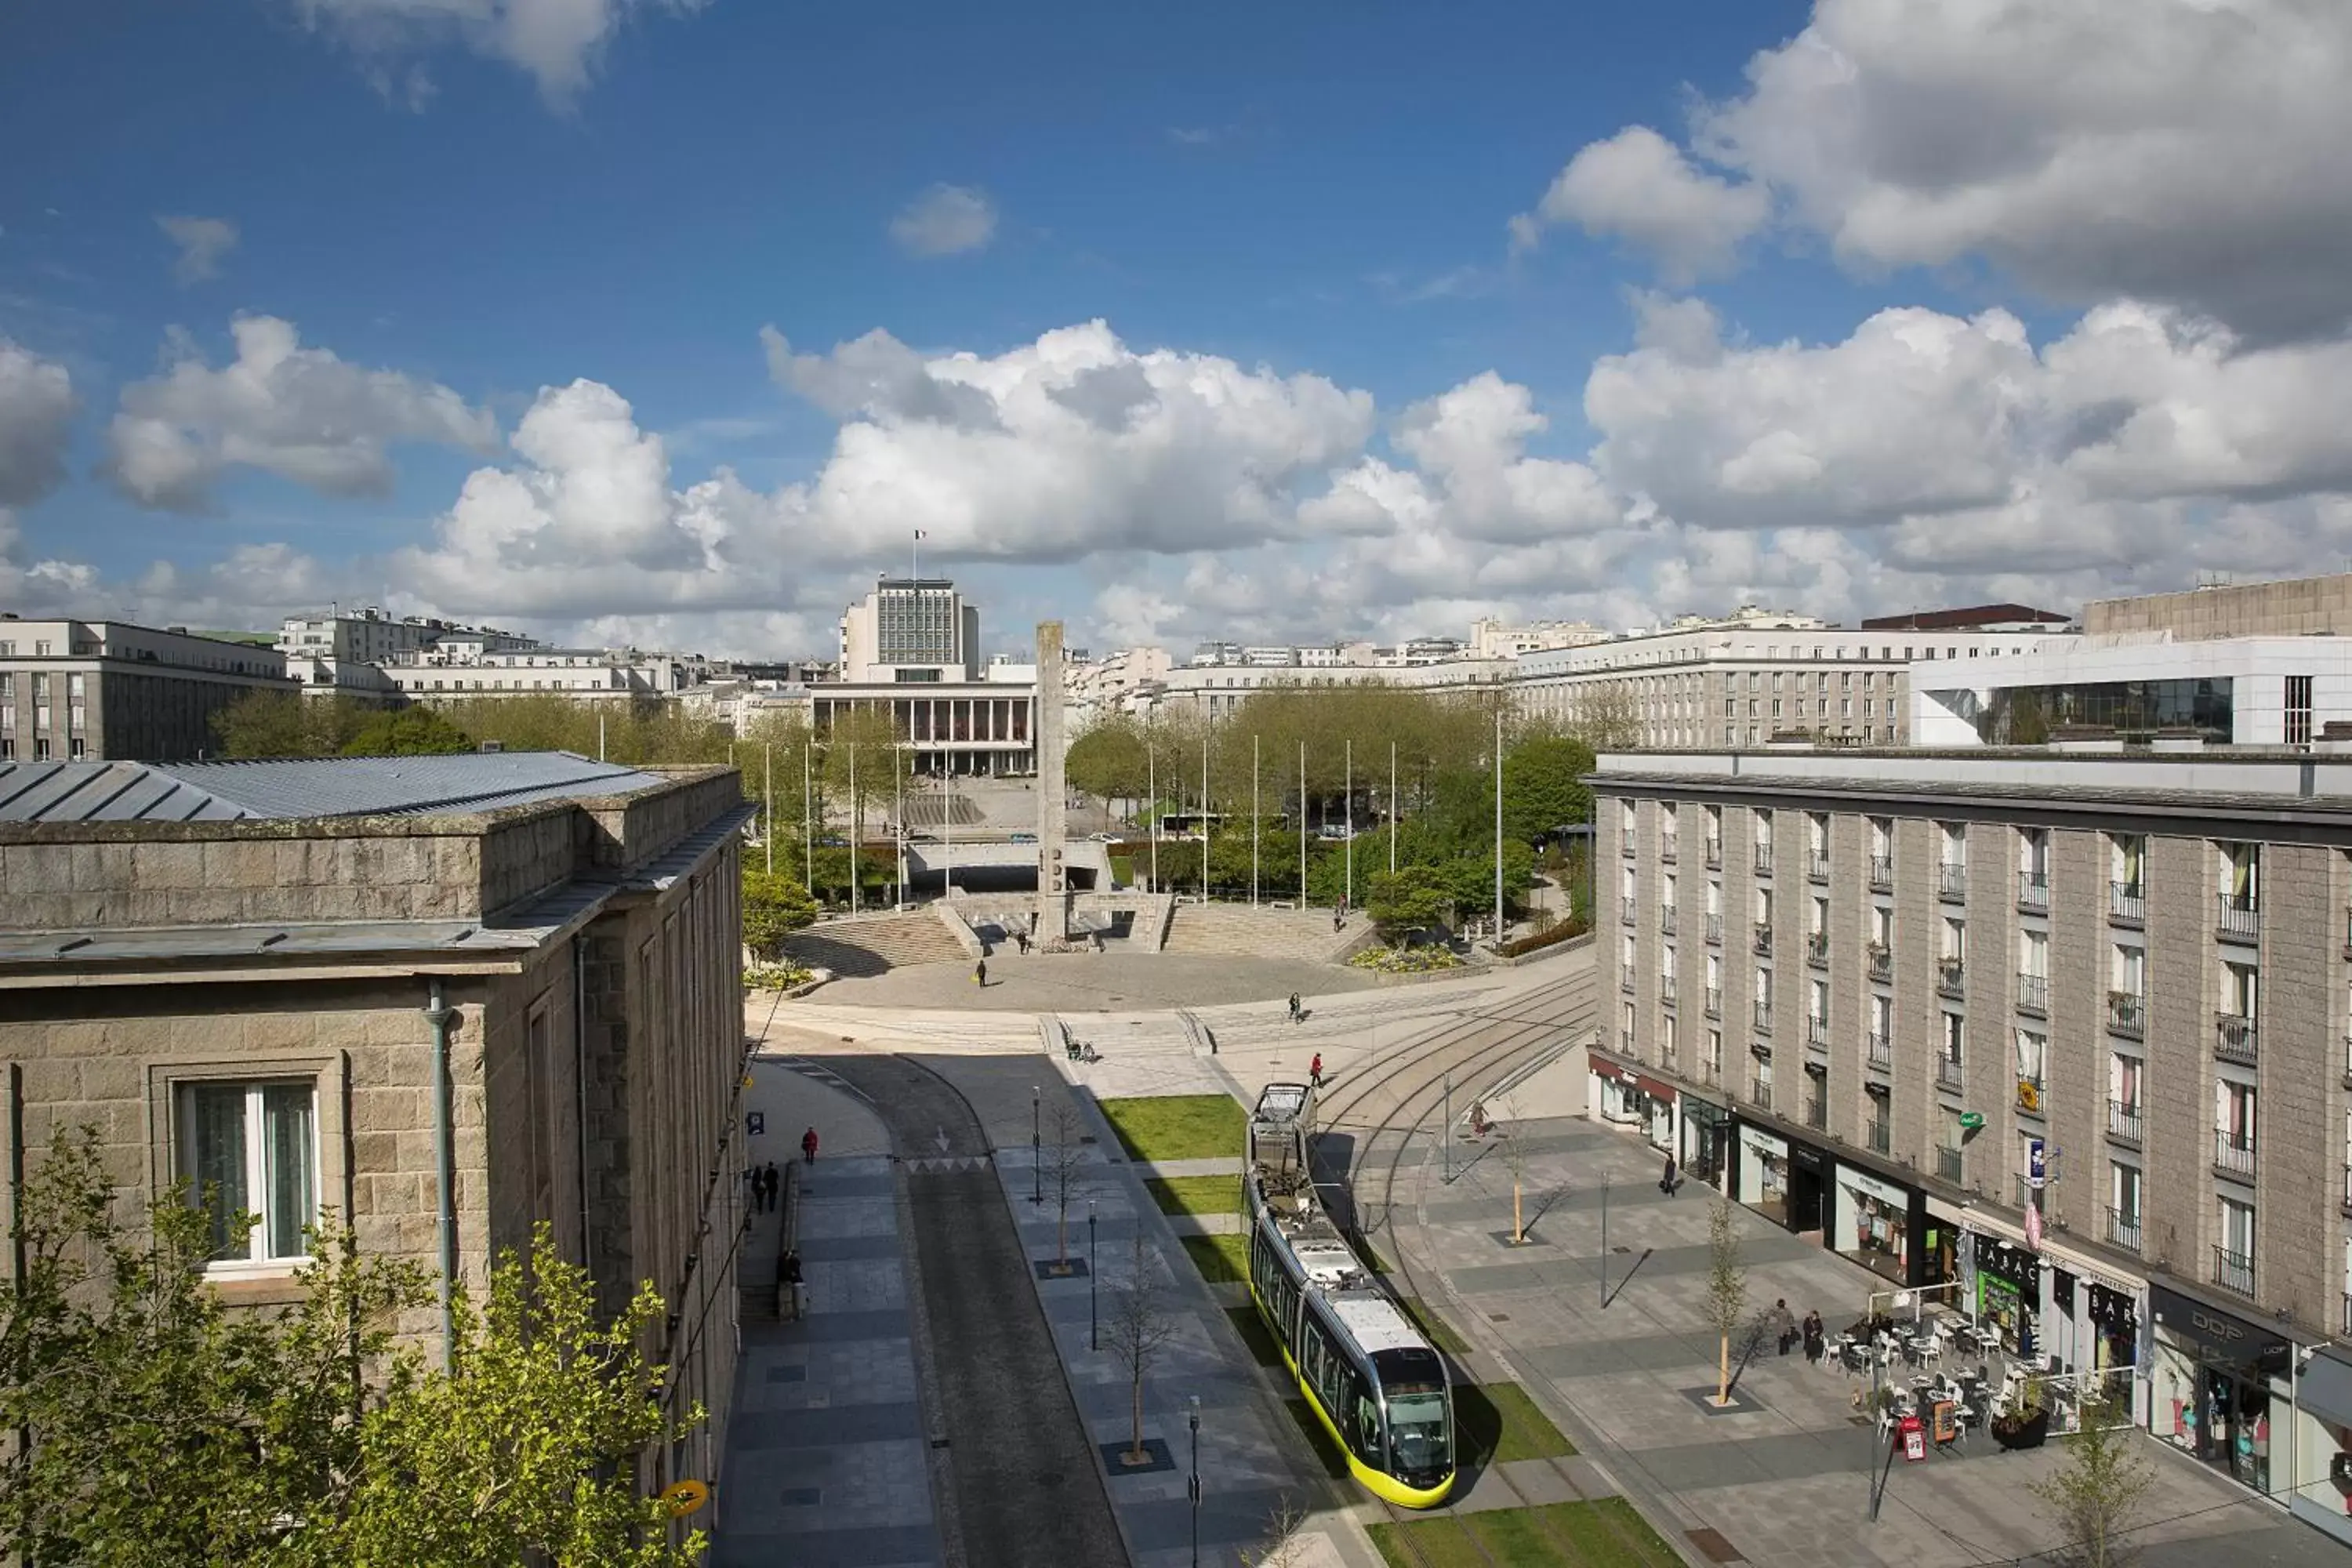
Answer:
x=438 y=1014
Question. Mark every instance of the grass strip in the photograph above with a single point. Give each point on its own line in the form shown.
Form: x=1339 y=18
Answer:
x=1256 y=1336
x=1499 y=1423
x=1432 y=1543
x=1177 y=1126
x=1196 y=1196
x=1432 y=1327
x=1608 y=1533
x=1221 y=1260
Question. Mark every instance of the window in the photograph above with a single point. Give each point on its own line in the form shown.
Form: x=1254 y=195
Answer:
x=2033 y=1054
x=1820 y=919
x=2123 y=1204
x=2241 y=989
x=254 y=1147
x=1955 y=948
x=1954 y=1036
x=2233 y=1125
x=2298 y=710
x=2234 y=1259
x=1882 y=838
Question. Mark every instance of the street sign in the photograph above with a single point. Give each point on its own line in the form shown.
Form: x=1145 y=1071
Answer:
x=755 y=1122
x=1970 y=1120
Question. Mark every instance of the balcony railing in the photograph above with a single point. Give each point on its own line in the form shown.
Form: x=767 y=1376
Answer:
x=2128 y=1013
x=1817 y=867
x=1761 y=1093
x=2028 y=1093
x=2123 y=1230
x=1763 y=859
x=2233 y=1270
x=1764 y=941
x=2123 y=1120
x=1952 y=883
x=1715 y=929
x=1949 y=974
x=1626 y=845
x=1880 y=1135
x=2023 y=1193
x=1882 y=873
x=1949 y=1074
x=2127 y=902
x=1625 y=978
x=2232 y=1153
x=2239 y=917
x=2344 y=1322
x=1817 y=1113
x=1626 y=911
x=1817 y=1031
x=1710 y=1072
x=1715 y=1001
x=1666 y=848
x=1947 y=1165
x=2033 y=993
x=1666 y=919
x=1667 y=989
x=2234 y=1038
x=1817 y=949
x=2348 y=931
x=1714 y=853
x=1882 y=962
x=1881 y=1052
x=1764 y=1017
x=2034 y=893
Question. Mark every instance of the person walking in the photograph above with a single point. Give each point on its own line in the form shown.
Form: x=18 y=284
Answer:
x=761 y=1180
x=980 y=974
x=1314 y=1070
x=1295 y=1016
x=1785 y=1323
x=1666 y=1182
x=808 y=1147
x=1816 y=1336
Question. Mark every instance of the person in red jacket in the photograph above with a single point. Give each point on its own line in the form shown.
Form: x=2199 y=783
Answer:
x=1314 y=1070
x=808 y=1146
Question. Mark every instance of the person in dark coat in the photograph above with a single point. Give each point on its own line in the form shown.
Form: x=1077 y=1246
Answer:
x=1816 y=1337
x=1784 y=1322
x=1666 y=1182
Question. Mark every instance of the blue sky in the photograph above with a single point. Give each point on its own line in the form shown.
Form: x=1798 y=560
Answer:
x=462 y=207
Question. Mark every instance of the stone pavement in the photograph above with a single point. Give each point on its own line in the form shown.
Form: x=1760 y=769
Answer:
x=826 y=1466
x=1088 y=982
x=1782 y=1479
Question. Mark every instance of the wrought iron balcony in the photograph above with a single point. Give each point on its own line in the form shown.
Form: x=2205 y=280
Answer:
x=1761 y=1093
x=1882 y=873
x=1949 y=974
x=1817 y=867
x=1817 y=949
x=2234 y=1038
x=1714 y=853
x=2234 y=1152
x=2127 y=902
x=1817 y=1111
x=1666 y=919
x=2034 y=893
x=1949 y=1074
x=2240 y=918
x=2123 y=1230
x=1625 y=978
x=1764 y=941
x=2023 y=1193
x=1666 y=848
x=2123 y=1121
x=1952 y=883
x=1715 y=929
x=1882 y=1053
x=1763 y=859
x=1764 y=1017
x=1882 y=962
x=2033 y=993
x=1667 y=989
x=1626 y=910
x=2128 y=1013
x=1817 y=1031
x=2233 y=1270
x=1947 y=1165
x=1715 y=1001
x=2028 y=1094
x=1880 y=1135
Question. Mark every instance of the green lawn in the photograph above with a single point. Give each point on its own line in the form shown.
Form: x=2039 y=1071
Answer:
x=1221 y=1260
x=1178 y=1126
x=1602 y=1535
x=1257 y=1336
x=1196 y=1195
x=1499 y=1423
x=1432 y=1327
x=1334 y=1463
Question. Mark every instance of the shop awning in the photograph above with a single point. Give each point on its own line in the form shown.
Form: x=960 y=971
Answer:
x=2072 y=1262
x=2325 y=1387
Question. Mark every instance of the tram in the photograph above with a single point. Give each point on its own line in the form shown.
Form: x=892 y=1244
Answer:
x=1376 y=1384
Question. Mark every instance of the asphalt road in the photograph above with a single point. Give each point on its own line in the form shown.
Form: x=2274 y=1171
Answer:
x=1026 y=1488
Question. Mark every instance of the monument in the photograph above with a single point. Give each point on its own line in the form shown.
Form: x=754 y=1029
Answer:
x=1052 y=922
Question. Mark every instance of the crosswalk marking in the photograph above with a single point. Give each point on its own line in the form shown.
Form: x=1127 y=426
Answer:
x=950 y=1165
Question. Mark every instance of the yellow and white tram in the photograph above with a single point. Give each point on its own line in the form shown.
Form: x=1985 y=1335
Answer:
x=1376 y=1384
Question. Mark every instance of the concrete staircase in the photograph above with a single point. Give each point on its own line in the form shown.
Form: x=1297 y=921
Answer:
x=869 y=944
x=1237 y=930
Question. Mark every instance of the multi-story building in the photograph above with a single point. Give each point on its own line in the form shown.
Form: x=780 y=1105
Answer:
x=2061 y=1034
x=2292 y=607
x=1741 y=681
x=466 y=665
x=74 y=690
x=437 y=996
x=911 y=630
x=2267 y=690
x=1500 y=639
x=336 y=654
x=911 y=650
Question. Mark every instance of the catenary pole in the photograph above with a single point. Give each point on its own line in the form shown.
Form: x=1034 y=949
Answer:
x=1499 y=828
x=1302 y=824
x=1151 y=788
x=768 y=788
x=856 y=825
x=1254 y=820
x=1207 y=725
x=808 y=817
x=1348 y=820
x=1392 y=805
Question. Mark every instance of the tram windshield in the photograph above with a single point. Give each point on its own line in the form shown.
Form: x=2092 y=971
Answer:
x=1417 y=1437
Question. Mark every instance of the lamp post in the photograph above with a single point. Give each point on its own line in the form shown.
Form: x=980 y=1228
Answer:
x=1498 y=829
x=1036 y=1144
x=1093 y=1272
x=1254 y=820
x=1195 y=1490
x=1348 y=816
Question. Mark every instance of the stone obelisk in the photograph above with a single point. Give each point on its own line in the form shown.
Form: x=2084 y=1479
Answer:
x=1053 y=847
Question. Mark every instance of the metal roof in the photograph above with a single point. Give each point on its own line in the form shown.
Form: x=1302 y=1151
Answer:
x=1375 y=1323
x=303 y=787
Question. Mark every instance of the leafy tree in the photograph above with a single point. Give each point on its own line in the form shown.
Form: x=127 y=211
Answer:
x=528 y=1450
x=1725 y=1301
x=2094 y=1494
x=1411 y=899
x=1543 y=785
x=286 y=724
x=165 y=1426
x=407 y=732
x=1108 y=761
x=774 y=906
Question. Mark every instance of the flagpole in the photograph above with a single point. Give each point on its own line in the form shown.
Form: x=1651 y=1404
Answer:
x=1254 y=821
x=1302 y=824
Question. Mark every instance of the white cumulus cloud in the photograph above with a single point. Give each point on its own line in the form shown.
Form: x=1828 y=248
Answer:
x=202 y=241
x=36 y=410
x=559 y=43
x=300 y=413
x=1640 y=187
x=945 y=220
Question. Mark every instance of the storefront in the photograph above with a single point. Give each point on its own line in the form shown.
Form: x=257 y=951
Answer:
x=2008 y=1293
x=1706 y=1141
x=1779 y=1178
x=1879 y=1223
x=2113 y=1317
x=2218 y=1386
x=1624 y=1098
x=2323 y=1443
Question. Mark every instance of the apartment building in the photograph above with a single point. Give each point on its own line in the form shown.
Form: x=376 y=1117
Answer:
x=470 y=665
x=343 y=654
x=74 y=690
x=2062 y=1033
x=489 y=990
x=1740 y=682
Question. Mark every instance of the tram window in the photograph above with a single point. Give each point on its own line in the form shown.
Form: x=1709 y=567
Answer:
x=1366 y=1433
x=1310 y=1342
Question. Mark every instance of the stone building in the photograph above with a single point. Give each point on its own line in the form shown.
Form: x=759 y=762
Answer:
x=75 y=690
x=245 y=972
x=2295 y=607
x=2059 y=1037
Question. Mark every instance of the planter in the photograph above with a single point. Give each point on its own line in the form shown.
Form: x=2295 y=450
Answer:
x=2029 y=1433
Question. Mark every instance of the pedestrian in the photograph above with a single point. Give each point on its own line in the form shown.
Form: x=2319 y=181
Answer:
x=1021 y=940
x=1295 y=1016
x=1666 y=1182
x=1339 y=920
x=808 y=1147
x=1816 y=1336
x=1314 y=1070
x=980 y=974
x=1785 y=1322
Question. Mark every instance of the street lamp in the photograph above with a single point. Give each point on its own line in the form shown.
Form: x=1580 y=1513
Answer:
x=1093 y=1272
x=1036 y=1144
x=1195 y=1487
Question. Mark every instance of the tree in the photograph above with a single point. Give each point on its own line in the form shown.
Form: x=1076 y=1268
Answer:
x=407 y=732
x=529 y=1449
x=1608 y=716
x=2095 y=1491
x=1283 y=1545
x=1726 y=1288
x=1543 y=785
x=1065 y=1157
x=284 y=724
x=1107 y=759
x=165 y=1426
x=774 y=906
x=1410 y=900
x=1139 y=1325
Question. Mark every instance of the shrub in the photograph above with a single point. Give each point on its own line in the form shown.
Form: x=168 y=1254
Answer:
x=1557 y=931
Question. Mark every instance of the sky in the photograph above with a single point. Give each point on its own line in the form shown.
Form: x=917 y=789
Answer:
x=674 y=321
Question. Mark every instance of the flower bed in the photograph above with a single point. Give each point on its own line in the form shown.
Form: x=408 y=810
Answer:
x=1405 y=959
